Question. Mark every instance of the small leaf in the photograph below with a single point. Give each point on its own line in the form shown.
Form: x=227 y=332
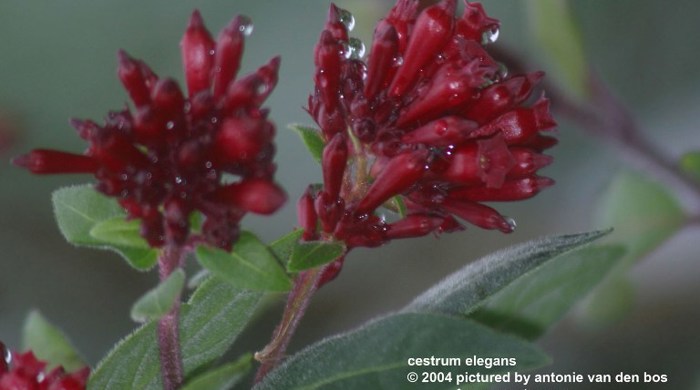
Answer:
x=690 y=163
x=197 y=279
x=223 y=377
x=461 y=292
x=283 y=246
x=555 y=29
x=120 y=232
x=311 y=138
x=642 y=212
x=251 y=265
x=610 y=302
x=158 y=301
x=314 y=254
x=49 y=344
x=79 y=209
x=539 y=298
x=209 y=323
x=375 y=355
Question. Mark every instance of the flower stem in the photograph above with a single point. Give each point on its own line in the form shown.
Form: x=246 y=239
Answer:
x=305 y=285
x=168 y=326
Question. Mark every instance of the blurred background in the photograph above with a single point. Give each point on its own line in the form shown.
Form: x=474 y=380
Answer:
x=59 y=61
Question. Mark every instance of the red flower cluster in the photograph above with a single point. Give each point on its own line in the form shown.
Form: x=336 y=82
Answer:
x=430 y=120
x=210 y=151
x=23 y=371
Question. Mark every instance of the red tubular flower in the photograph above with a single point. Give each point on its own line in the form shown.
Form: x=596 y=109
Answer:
x=168 y=157
x=430 y=121
x=25 y=371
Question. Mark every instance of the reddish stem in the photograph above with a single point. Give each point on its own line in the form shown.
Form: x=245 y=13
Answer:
x=305 y=285
x=168 y=326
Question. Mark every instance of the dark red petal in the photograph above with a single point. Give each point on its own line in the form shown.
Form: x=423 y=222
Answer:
x=432 y=30
x=416 y=225
x=464 y=165
x=259 y=196
x=334 y=23
x=197 y=55
x=45 y=161
x=331 y=272
x=168 y=98
x=329 y=211
x=399 y=174
x=381 y=58
x=495 y=160
x=241 y=139
x=133 y=79
x=402 y=17
x=328 y=65
x=527 y=161
x=448 y=130
x=501 y=97
x=229 y=48
x=520 y=124
x=474 y=22
x=510 y=190
x=334 y=161
x=477 y=214
x=306 y=214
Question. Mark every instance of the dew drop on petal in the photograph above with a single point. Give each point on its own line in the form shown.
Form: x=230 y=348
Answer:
x=398 y=61
x=511 y=223
x=489 y=36
x=354 y=49
x=7 y=356
x=170 y=125
x=346 y=18
x=246 y=26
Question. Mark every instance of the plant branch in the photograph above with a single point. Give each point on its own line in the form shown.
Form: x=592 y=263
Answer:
x=168 y=326
x=305 y=285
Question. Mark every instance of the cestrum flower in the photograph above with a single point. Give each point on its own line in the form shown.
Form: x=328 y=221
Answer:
x=430 y=123
x=210 y=151
x=25 y=371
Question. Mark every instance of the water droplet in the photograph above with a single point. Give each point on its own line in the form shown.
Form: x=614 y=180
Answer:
x=398 y=61
x=212 y=52
x=246 y=26
x=7 y=356
x=40 y=377
x=208 y=164
x=170 y=125
x=502 y=71
x=354 y=49
x=214 y=120
x=511 y=223
x=179 y=180
x=346 y=18
x=261 y=89
x=489 y=36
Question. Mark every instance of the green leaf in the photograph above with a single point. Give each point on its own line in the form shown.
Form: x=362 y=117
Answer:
x=642 y=212
x=313 y=254
x=223 y=377
x=210 y=322
x=283 y=246
x=158 y=301
x=120 y=232
x=610 y=302
x=461 y=292
x=375 y=355
x=49 y=344
x=251 y=265
x=690 y=163
x=79 y=209
x=527 y=306
x=311 y=138
x=555 y=29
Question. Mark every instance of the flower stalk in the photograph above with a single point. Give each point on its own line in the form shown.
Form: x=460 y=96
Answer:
x=170 y=259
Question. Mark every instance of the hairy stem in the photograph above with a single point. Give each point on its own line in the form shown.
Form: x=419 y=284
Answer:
x=305 y=285
x=168 y=326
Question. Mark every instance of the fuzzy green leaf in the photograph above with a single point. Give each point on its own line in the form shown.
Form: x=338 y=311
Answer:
x=209 y=323
x=555 y=29
x=49 y=344
x=462 y=292
x=118 y=231
x=158 y=301
x=283 y=246
x=529 y=305
x=314 y=254
x=79 y=209
x=223 y=377
x=311 y=138
x=251 y=265
x=375 y=355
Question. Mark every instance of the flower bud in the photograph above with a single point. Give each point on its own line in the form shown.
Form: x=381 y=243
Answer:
x=306 y=215
x=510 y=190
x=381 y=58
x=133 y=79
x=477 y=214
x=416 y=225
x=227 y=57
x=398 y=175
x=334 y=161
x=259 y=196
x=44 y=161
x=448 y=130
x=197 y=55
